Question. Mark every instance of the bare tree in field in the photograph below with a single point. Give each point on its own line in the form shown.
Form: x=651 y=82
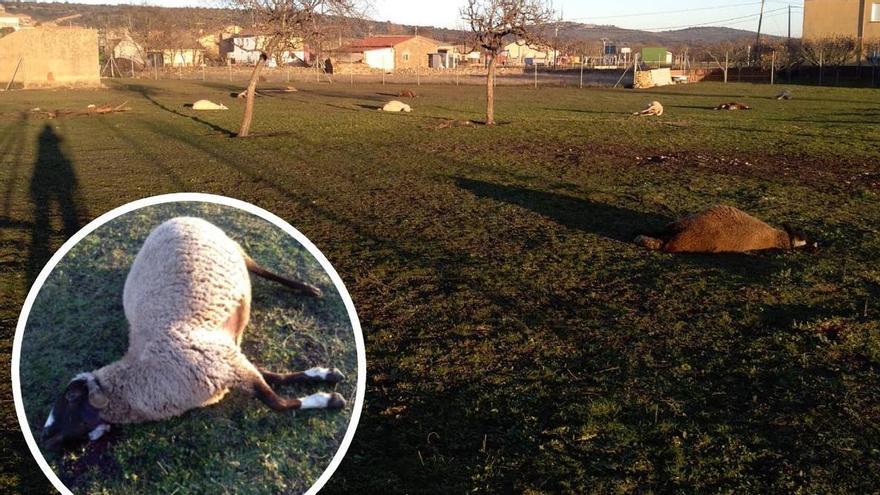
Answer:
x=494 y=22
x=280 y=21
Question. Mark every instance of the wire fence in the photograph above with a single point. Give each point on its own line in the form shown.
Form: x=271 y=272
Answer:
x=570 y=76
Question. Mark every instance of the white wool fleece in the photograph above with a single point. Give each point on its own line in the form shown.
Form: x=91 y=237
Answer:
x=185 y=283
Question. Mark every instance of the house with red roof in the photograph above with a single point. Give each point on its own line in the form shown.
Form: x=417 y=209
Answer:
x=394 y=52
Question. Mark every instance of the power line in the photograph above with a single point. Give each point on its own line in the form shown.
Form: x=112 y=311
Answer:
x=720 y=21
x=682 y=11
x=643 y=14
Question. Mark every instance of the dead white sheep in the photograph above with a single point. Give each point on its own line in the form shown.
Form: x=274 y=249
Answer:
x=654 y=108
x=208 y=105
x=187 y=300
x=396 y=106
x=722 y=229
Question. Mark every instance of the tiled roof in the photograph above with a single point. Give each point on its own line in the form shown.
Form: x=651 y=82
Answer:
x=381 y=41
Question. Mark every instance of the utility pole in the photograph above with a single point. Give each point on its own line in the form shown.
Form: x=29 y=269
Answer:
x=556 y=42
x=861 y=32
x=758 y=37
x=789 y=24
x=788 y=49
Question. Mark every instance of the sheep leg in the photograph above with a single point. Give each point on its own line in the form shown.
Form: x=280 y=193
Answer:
x=319 y=400
x=312 y=375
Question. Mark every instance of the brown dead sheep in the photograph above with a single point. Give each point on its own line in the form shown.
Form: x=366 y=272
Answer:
x=406 y=93
x=722 y=229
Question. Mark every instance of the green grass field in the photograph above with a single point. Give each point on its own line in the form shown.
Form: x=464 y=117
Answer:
x=76 y=324
x=517 y=341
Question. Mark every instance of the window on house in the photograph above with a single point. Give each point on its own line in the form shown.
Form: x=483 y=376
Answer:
x=406 y=57
x=875 y=12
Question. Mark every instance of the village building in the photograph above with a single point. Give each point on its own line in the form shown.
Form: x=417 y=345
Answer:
x=218 y=43
x=395 y=52
x=519 y=53
x=856 y=18
x=14 y=21
x=245 y=48
x=180 y=56
x=50 y=57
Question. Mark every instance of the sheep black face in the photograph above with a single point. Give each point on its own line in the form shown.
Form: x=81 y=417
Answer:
x=76 y=414
x=799 y=240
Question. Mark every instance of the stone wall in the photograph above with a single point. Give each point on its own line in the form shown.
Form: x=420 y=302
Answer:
x=50 y=57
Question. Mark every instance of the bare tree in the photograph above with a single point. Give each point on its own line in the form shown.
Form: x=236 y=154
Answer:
x=725 y=54
x=871 y=51
x=494 y=22
x=835 y=51
x=281 y=21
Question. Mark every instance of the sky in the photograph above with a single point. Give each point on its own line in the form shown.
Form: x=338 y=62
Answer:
x=654 y=15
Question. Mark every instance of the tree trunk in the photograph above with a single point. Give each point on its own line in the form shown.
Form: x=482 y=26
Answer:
x=490 y=92
x=248 y=116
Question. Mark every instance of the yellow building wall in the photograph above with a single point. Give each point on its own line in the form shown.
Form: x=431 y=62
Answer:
x=51 y=56
x=413 y=53
x=823 y=18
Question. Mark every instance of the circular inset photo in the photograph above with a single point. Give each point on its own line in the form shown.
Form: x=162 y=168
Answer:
x=188 y=343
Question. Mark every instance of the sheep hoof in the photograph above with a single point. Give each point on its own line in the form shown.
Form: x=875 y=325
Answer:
x=336 y=401
x=335 y=376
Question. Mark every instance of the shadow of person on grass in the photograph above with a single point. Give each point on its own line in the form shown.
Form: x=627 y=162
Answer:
x=54 y=186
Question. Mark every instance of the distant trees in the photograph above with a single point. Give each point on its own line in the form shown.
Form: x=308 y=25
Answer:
x=494 y=23
x=281 y=21
x=833 y=51
x=871 y=51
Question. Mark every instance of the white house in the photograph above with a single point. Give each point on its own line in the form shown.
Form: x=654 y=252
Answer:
x=247 y=47
x=14 y=21
x=392 y=52
x=379 y=58
x=519 y=53
x=177 y=57
x=125 y=47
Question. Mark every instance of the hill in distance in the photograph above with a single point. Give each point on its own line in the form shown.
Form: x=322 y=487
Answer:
x=110 y=16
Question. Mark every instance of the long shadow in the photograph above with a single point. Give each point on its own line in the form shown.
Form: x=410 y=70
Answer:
x=54 y=185
x=580 y=110
x=614 y=222
x=11 y=147
x=146 y=92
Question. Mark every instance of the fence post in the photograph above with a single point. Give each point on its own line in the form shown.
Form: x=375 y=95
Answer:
x=582 y=72
x=821 y=63
x=773 y=68
x=536 y=73
x=203 y=73
x=288 y=73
